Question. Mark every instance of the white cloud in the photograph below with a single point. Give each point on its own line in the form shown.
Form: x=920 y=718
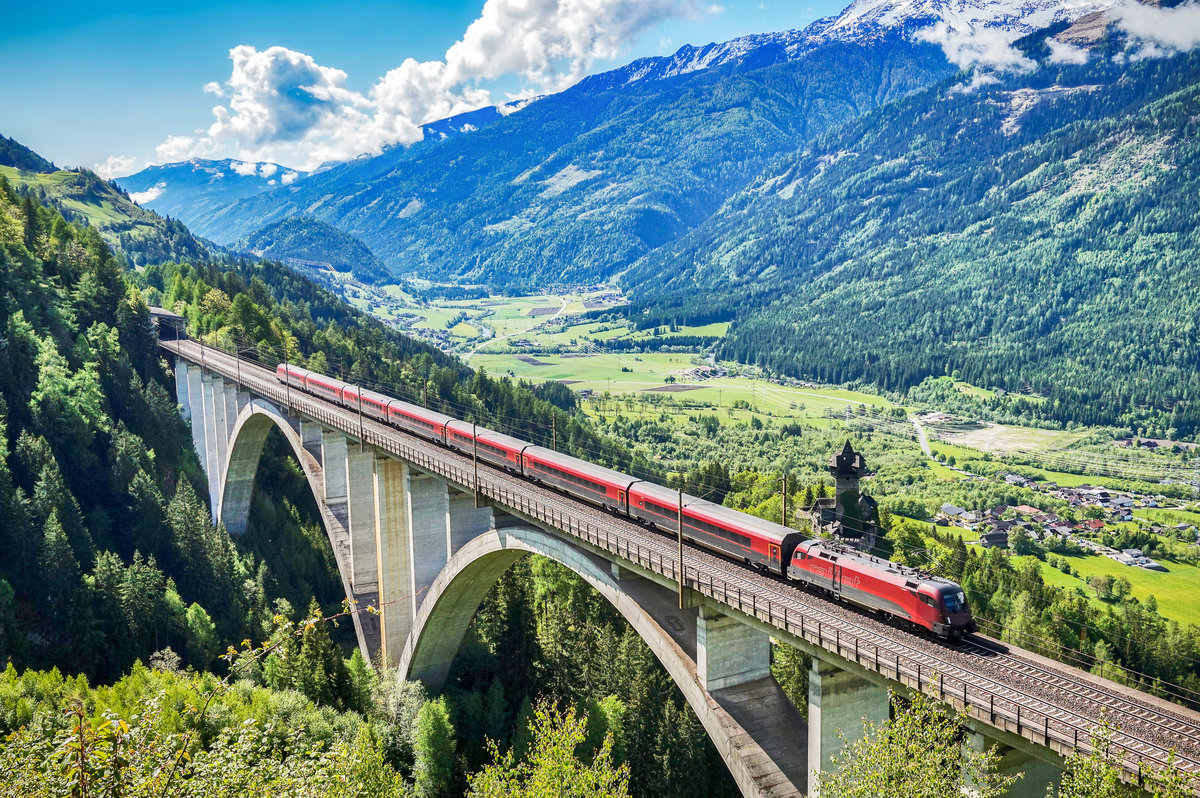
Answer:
x=283 y=106
x=1066 y=53
x=115 y=166
x=979 y=79
x=175 y=148
x=1158 y=31
x=267 y=169
x=288 y=178
x=988 y=47
x=552 y=43
x=149 y=195
x=244 y=169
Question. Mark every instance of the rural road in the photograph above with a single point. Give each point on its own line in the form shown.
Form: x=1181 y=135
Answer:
x=488 y=342
x=921 y=439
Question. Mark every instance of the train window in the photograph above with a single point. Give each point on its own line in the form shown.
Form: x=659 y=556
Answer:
x=655 y=507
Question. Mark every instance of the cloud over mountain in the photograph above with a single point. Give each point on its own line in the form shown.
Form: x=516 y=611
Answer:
x=1160 y=31
x=281 y=105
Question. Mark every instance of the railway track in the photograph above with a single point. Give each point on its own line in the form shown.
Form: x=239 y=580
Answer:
x=1052 y=701
x=1187 y=729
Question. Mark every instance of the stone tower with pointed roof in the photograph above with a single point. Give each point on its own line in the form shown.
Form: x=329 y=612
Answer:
x=852 y=515
x=846 y=469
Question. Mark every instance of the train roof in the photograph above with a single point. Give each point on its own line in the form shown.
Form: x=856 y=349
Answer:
x=375 y=396
x=583 y=467
x=440 y=419
x=326 y=379
x=489 y=435
x=693 y=505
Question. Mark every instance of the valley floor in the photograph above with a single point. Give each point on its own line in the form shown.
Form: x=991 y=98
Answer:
x=626 y=389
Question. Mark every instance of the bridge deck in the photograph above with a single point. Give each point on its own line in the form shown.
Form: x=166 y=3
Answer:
x=998 y=685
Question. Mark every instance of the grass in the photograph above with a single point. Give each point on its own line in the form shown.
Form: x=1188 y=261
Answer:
x=94 y=204
x=1177 y=591
x=967 y=535
x=1166 y=517
x=620 y=372
x=942 y=472
x=959 y=453
x=717 y=328
x=1007 y=439
x=973 y=390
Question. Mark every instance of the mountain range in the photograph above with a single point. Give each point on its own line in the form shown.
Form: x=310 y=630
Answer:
x=189 y=189
x=1037 y=234
x=860 y=208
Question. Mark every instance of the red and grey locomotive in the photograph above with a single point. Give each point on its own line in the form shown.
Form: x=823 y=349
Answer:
x=845 y=574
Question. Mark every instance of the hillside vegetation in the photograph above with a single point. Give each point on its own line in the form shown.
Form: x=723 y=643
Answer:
x=1035 y=235
x=81 y=196
x=307 y=239
x=106 y=553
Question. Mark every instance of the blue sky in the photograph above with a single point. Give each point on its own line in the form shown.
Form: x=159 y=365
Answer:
x=98 y=81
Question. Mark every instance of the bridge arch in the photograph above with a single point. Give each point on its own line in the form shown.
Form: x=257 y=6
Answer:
x=450 y=603
x=254 y=423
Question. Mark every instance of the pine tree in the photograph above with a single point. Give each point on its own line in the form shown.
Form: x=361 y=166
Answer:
x=202 y=643
x=321 y=673
x=58 y=567
x=434 y=769
x=495 y=711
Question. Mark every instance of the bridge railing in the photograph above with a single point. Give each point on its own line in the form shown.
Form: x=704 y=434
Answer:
x=1039 y=727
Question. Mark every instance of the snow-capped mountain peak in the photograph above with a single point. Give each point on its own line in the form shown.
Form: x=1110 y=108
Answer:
x=864 y=19
x=861 y=21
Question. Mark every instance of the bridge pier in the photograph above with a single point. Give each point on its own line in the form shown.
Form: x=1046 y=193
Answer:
x=310 y=438
x=466 y=520
x=235 y=400
x=195 y=399
x=182 y=367
x=428 y=528
x=360 y=500
x=213 y=438
x=396 y=604
x=728 y=652
x=839 y=700
x=1037 y=772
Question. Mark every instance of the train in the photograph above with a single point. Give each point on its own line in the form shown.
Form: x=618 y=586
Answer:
x=838 y=571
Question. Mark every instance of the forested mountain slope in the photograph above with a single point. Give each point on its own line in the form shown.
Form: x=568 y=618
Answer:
x=591 y=178
x=1036 y=233
x=81 y=196
x=107 y=553
x=307 y=239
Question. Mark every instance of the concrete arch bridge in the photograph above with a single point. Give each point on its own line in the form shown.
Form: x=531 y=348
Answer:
x=419 y=533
